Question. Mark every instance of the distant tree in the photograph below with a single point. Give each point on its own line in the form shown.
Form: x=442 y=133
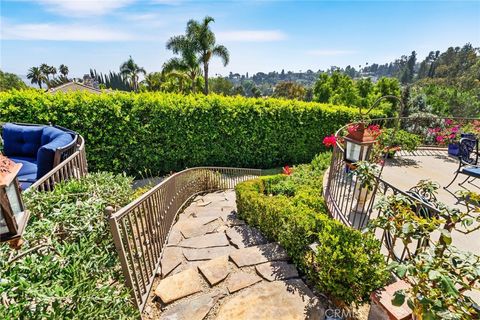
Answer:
x=112 y=80
x=221 y=85
x=45 y=69
x=10 y=81
x=131 y=71
x=256 y=93
x=36 y=76
x=153 y=81
x=239 y=91
x=187 y=62
x=289 y=90
x=322 y=90
x=409 y=69
x=63 y=70
x=205 y=45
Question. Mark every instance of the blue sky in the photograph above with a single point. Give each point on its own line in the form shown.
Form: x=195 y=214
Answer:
x=261 y=35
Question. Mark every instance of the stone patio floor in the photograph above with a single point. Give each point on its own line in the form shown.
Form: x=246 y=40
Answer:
x=407 y=168
x=217 y=267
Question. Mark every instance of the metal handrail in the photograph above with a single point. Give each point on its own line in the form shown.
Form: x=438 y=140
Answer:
x=342 y=190
x=141 y=229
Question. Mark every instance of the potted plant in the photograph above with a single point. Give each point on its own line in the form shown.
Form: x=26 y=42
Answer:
x=366 y=174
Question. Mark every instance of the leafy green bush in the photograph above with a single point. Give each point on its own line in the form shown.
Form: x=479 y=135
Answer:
x=399 y=138
x=348 y=264
x=162 y=132
x=72 y=270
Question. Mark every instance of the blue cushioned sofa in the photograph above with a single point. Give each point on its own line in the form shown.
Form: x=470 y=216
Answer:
x=38 y=148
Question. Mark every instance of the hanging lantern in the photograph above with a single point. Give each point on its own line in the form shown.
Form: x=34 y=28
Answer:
x=13 y=216
x=358 y=143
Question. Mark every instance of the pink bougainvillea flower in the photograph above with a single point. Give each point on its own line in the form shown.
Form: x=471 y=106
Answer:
x=455 y=129
x=448 y=122
x=352 y=128
x=329 y=141
x=287 y=170
x=440 y=138
x=452 y=136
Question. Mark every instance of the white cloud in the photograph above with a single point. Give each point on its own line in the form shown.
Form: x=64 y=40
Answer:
x=168 y=2
x=251 y=35
x=329 y=52
x=61 y=32
x=84 y=7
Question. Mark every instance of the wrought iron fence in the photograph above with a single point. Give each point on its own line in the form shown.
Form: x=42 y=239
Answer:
x=140 y=229
x=354 y=205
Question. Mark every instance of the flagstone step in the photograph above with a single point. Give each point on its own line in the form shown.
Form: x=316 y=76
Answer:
x=241 y=280
x=277 y=270
x=218 y=239
x=194 y=309
x=258 y=254
x=279 y=300
x=179 y=285
x=215 y=270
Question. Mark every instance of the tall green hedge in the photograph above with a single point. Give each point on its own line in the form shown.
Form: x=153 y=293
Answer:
x=158 y=132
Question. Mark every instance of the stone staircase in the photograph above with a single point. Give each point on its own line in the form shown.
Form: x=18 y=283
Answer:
x=217 y=267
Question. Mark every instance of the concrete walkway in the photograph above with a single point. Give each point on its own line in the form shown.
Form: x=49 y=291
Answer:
x=217 y=267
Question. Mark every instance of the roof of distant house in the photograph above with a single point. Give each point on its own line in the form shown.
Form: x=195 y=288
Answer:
x=74 y=86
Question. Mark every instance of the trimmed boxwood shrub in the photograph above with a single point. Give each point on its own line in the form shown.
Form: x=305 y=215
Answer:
x=348 y=264
x=68 y=267
x=161 y=132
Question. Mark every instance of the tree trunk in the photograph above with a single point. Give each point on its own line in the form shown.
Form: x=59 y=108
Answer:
x=40 y=84
x=205 y=75
x=193 y=83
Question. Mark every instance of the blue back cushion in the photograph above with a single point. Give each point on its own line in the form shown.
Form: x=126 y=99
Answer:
x=49 y=134
x=21 y=141
x=46 y=153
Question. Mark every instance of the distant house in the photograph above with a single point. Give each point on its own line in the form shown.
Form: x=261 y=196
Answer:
x=74 y=86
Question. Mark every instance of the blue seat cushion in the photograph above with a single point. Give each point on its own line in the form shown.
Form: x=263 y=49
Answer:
x=29 y=165
x=49 y=134
x=21 y=141
x=472 y=171
x=46 y=153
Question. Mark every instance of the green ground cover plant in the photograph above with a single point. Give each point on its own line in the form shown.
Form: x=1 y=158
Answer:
x=68 y=267
x=164 y=132
x=347 y=264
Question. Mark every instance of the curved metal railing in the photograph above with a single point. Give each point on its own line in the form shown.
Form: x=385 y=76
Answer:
x=353 y=205
x=140 y=229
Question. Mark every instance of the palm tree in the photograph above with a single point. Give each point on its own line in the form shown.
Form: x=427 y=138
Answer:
x=36 y=76
x=63 y=70
x=45 y=69
x=131 y=70
x=52 y=70
x=205 y=45
x=187 y=62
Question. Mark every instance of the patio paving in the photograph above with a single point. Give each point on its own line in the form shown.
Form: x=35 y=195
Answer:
x=217 y=267
x=407 y=168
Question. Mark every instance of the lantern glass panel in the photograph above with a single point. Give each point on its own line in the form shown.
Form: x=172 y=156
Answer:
x=14 y=198
x=3 y=223
x=353 y=151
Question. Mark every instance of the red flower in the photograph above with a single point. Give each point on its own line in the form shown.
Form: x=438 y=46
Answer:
x=287 y=170
x=330 y=141
x=352 y=128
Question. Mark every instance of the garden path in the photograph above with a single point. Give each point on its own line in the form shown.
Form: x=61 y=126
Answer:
x=217 y=267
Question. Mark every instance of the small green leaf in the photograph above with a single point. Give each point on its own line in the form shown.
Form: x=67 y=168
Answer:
x=398 y=298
